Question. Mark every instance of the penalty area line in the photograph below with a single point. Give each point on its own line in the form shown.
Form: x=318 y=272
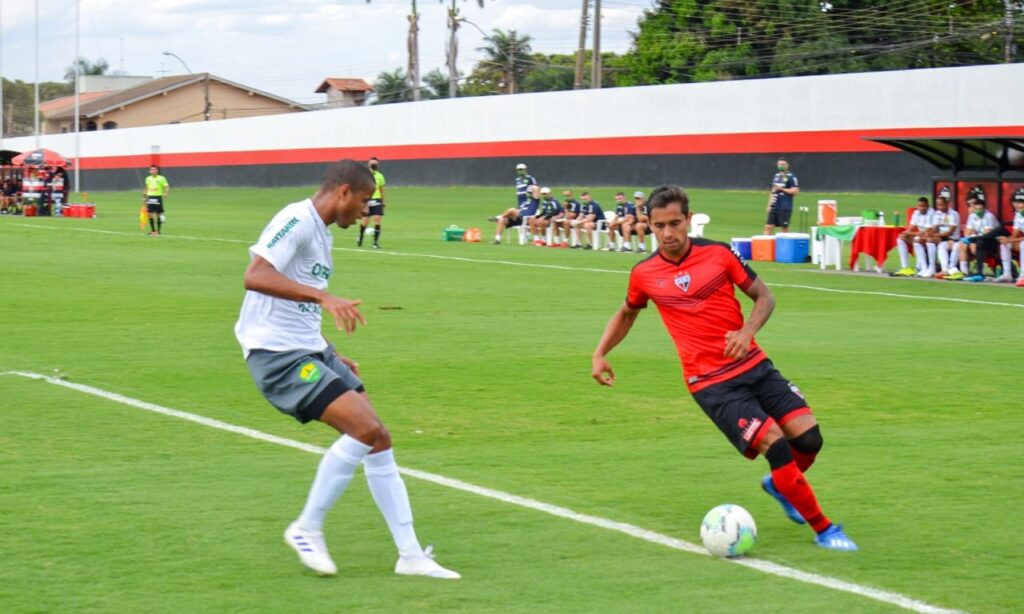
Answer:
x=647 y=535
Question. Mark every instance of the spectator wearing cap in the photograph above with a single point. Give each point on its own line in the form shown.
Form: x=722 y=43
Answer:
x=981 y=238
x=526 y=203
x=1015 y=241
x=640 y=225
x=547 y=211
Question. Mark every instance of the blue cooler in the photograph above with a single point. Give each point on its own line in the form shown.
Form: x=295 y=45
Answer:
x=742 y=245
x=792 y=247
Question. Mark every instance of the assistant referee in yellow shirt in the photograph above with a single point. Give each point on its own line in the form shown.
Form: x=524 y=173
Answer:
x=153 y=194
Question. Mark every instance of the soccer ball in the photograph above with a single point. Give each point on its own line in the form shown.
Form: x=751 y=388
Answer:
x=728 y=530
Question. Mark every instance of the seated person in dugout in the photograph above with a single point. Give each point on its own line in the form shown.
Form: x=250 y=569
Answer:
x=590 y=215
x=944 y=235
x=9 y=196
x=980 y=240
x=568 y=221
x=547 y=211
x=624 y=216
x=1014 y=242
x=640 y=225
x=911 y=239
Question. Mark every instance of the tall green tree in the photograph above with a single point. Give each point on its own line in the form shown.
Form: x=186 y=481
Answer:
x=508 y=52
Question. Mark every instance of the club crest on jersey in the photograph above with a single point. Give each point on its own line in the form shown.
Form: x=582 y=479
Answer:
x=683 y=282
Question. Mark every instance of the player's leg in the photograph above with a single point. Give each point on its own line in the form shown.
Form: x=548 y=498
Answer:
x=363 y=221
x=159 y=218
x=376 y=227
x=921 y=266
x=903 y=243
x=1006 y=259
x=769 y=223
x=627 y=237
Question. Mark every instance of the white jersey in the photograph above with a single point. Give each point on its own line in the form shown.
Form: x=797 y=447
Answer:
x=943 y=222
x=298 y=244
x=981 y=225
x=921 y=220
x=1018 y=221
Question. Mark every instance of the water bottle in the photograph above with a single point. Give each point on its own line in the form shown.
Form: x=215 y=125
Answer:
x=881 y=218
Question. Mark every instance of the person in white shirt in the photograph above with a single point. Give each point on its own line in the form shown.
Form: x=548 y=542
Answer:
x=981 y=234
x=943 y=239
x=1014 y=242
x=912 y=237
x=301 y=374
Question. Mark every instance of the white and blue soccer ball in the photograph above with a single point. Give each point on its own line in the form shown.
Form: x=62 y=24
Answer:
x=728 y=530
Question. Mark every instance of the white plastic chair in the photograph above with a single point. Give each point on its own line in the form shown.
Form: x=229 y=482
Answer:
x=522 y=230
x=601 y=227
x=697 y=224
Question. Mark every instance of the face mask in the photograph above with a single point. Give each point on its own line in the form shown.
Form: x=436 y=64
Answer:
x=781 y=169
x=373 y=167
x=980 y=213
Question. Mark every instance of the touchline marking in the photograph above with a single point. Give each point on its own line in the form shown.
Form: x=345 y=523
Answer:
x=768 y=567
x=556 y=267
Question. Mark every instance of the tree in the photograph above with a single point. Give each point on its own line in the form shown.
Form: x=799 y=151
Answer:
x=413 y=48
x=85 y=67
x=391 y=87
x=509 y=53
x=550 y=73
x=452 y=49
x=437 y=84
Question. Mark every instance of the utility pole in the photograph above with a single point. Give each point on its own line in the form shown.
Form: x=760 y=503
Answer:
x=595 y=65
x=36 y=89
x=1010 y=50
x=582 y=52
x=206 y=98
x=78 y=69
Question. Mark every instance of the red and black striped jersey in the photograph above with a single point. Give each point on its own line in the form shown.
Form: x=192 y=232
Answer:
x=696 y=298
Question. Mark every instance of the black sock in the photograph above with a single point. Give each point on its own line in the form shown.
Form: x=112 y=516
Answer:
x=376 y=234
x=159 y=223
x=362 y=230
x=152 y=224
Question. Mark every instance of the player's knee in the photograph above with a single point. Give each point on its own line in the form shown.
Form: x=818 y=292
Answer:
x=808 y=442
x=371 y=432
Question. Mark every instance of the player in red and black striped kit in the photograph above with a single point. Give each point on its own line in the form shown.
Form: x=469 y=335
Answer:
x=691 y=281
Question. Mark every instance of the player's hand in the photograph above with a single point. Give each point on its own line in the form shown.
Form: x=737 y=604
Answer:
x=1004 y=240
x=601 y=371
x=344 y=311
x=348 y=362
x=737 y=344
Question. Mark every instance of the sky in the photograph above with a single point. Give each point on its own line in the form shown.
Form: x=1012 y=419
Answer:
x=285 y=47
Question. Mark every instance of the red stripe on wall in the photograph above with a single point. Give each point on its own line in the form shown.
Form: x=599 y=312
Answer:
x=831 y=141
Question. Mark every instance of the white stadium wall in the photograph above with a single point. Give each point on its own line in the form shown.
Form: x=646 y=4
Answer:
x=721 y=134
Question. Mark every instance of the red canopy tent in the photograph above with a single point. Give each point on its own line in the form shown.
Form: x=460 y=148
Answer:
x=40 y=157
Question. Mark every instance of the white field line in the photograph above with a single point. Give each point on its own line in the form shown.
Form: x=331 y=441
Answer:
x=768 y=567
x=556 y=267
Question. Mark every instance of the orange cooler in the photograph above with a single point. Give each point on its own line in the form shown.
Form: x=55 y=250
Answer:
x=762 y=248
x=30 y=211
x=827 y=210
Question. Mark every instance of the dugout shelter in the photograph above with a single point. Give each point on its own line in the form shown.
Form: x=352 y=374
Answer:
x=992 y=167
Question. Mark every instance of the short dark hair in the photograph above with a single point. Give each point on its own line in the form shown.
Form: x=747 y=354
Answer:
x=584 y=193
x=974 y=198
x=351 y=173
x=923 y=199
x=942 y=198
x=665 y=195
x=155 y=166
x=622 y=194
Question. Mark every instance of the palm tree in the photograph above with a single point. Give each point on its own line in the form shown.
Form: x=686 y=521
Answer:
x=390 y=87
x=413 y=45
x=453 y=47
x=508 y=52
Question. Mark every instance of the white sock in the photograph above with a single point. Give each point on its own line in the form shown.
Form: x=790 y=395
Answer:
x=335 y=472
x=497 y=237
x=932 y=252
x=944 y=256
x=904 y=255
x=1020 y=246
x=1007 y=258
x=392 y=499
x=922 y=260
x=954 y=256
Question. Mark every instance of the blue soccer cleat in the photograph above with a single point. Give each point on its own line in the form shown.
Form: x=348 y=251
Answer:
x=975 y=278
x=769 y=487
x=833 y=538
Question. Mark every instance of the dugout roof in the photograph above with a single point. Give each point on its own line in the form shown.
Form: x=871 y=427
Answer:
x=992 y=155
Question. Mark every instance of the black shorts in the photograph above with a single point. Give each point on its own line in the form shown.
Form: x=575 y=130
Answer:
x=374 y=207
x=779 y=217
x=155 y=204
x=745 y=406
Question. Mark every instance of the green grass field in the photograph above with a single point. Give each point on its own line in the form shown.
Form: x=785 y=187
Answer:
x=481 y=370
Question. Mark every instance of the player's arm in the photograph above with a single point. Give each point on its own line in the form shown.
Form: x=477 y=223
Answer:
x=616 y=330
x=262 y=277
x=737 y=342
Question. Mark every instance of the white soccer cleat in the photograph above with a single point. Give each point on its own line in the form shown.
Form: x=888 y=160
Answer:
x=311 y=548
x=424 y=566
